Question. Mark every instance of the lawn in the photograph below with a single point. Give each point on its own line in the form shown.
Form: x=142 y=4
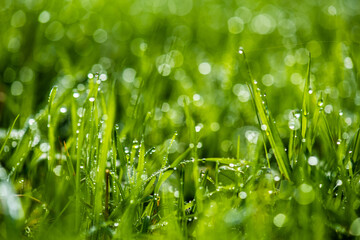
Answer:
x=179 y=119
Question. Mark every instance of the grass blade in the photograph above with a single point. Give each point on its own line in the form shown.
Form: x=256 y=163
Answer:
x=8 y=134
x=267 y=124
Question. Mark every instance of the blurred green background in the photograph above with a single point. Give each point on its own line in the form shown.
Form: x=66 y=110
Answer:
x=157 y=56
x=160 y=52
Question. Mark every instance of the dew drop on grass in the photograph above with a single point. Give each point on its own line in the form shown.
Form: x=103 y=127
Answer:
x=198 y=128
x=63 y=110
x=339 y=182
x=103 y=77
x=263 y=127
x=313 y=161
x=76 y=94
x=31 y=121
x=92 y=99
x=320 y=103
x=276 y=178
x=241 y=50
x=242 y=195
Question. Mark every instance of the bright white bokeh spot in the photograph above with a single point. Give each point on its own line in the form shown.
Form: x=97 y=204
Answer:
x=44 y=147
x=294 y=124
x=44 y=17
x=339 y=182
x=242 y=91
x=63 y=109
x=268 y=80
x=296 y=79
x=279 y=220
x=328 y=109
x=164 y=69
x=100 y=35
x=57 y=170
x=289 y=60
x=103 y=77
x=242 y=195
x=313 y=161
x=196 y=97
x=17 y=88
x=129 y=75
x=252 y=136
x=215 y=126
x=204 y=68
x=235 y=25
x=263 y=24
x=348 y=63
x=332 y=10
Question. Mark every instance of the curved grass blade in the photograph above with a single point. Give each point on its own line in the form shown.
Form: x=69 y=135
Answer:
x=8 y=135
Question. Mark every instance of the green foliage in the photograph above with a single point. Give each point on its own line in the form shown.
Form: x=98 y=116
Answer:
x=143 y=119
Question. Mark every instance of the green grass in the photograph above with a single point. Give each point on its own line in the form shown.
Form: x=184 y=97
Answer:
x=144 y=120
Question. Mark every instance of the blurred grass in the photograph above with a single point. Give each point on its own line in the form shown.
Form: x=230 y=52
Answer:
x=140 y=119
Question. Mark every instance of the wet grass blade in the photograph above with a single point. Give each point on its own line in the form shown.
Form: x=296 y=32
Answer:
x=51 y=127
x=305 y=102
x=106 y=143
x=267 y=125
x=8 y=134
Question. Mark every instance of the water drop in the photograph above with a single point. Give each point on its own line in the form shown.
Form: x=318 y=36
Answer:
x=320 y=103
x=242 y=195
x=313 y=161
x=63 y=110
x=339 y=182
